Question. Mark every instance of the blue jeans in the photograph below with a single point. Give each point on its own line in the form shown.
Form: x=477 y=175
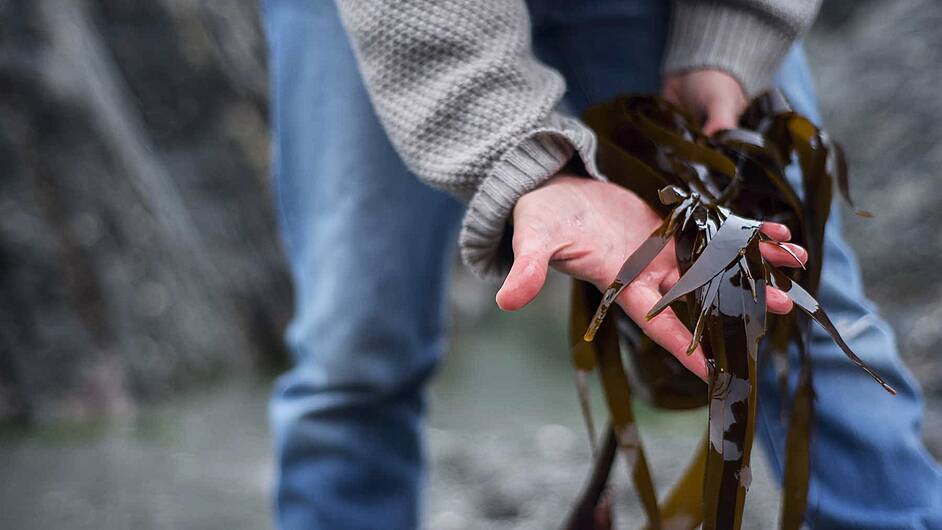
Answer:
x=369 y=248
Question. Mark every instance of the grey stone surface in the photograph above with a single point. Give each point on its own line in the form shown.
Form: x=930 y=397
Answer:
x=137 y=246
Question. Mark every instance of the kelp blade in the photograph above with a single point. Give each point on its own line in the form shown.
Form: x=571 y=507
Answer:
x=633 y=266
x=798 y=444
x=618 y=398
x=712 y=193
x=735 y=328
x=733 y=235
x=804 y=301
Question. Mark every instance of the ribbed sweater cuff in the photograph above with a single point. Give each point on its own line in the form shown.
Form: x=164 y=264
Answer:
x=536 y=158
x=737 y=41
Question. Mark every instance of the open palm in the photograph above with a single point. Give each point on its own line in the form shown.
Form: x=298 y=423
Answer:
x=587 y=228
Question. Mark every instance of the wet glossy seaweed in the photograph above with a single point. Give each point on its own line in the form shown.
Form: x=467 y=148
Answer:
x=712 y=193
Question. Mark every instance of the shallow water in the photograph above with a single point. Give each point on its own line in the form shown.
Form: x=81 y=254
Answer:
x=507 y=446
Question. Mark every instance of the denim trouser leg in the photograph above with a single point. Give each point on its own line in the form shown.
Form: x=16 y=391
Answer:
x=869 y=466
x=368 y=246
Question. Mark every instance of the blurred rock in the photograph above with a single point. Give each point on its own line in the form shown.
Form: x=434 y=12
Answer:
x=137 y=245
x=835 y=13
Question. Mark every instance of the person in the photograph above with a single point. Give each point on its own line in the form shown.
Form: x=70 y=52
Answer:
x=389 y=116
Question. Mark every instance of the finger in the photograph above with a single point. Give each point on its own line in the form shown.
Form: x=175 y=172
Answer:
x=778 y=256
x=770 y=251
x=665 y=329
x=670 y=94
x=776 y=231
x=669 y=280
x=670 y=333
x=721 y=114
x=776 y=301
x=527 y=275
x=524 y=281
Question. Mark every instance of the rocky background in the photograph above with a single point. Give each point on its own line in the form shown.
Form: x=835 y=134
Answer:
x=137 y=247
x=138 y=260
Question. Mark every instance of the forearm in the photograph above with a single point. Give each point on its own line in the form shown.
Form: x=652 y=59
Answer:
x=745 y=38
x=466 y=104
x=471 y=111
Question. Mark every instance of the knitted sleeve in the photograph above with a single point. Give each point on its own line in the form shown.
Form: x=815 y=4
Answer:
x=471 y=111
x=467 y=105
x=746 y=38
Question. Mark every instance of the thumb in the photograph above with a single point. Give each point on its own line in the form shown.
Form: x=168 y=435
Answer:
x=523 y=282
x=526 y=277
x=722 y=113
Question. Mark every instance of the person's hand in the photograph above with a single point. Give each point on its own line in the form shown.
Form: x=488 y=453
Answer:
x=586 y=229
x=712 y=95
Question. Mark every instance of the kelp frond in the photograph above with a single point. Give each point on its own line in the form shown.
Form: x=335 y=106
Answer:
x=712 y=193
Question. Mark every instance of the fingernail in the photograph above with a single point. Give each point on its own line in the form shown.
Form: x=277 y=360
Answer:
x=778 y=296
x=799 y=251
x=780 y=227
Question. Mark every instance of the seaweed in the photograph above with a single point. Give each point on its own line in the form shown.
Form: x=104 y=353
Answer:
x=713 y=193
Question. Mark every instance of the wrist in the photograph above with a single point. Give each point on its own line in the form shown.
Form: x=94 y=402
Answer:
x=729 y=39
x=534 y=160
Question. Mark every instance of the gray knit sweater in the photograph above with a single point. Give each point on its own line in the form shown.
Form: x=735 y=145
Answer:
x=471 y=111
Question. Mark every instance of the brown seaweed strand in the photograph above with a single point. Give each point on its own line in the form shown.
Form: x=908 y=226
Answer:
x=709 y=298
x=809 y=305
x=789 y=252
x=714 y=347
x=682 y=507
x=607 y=357
x=593 y=510
x=589 y=511
x=734 y=332
x=798 y=441
x=837 y=166
x=747 y=275
x=585 y=405
x=633 y=266
x=685 y=149
x=644 y=145
x=737 y=325
x=627 y=170
x=754 y=315
x=725 y=247
x=812 y=157
x=619 y=400
x=583 y=354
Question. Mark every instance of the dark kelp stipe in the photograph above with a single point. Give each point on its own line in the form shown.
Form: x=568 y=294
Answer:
x=713 y=193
